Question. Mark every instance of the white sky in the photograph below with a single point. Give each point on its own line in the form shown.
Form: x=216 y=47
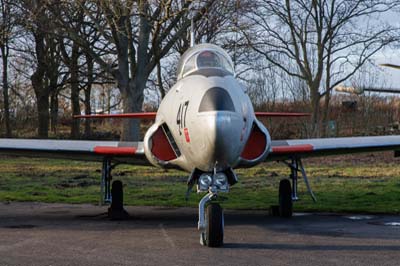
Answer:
x=390 y=56
x=391 y=75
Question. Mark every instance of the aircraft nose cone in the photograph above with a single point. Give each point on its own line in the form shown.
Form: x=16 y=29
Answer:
x=223 y=139
x=227 y=136
x=218 y=131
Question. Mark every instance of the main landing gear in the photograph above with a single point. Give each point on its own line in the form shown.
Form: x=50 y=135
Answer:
x=112 y=193
x=288 y=190
x=285 y=199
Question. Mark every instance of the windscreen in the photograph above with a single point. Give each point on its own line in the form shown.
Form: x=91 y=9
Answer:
x=204 y=56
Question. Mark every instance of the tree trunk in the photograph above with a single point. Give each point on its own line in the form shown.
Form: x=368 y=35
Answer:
x=159 y=81
x=54 y=110
x=4 y=53
x=43 y=115
x=132 y=103
x=52 y=75
x=325 y=115
x=133 y=88
x=88 y=110
x=88 y=91
x=37 y=78
x=315 y=98
x=74 y=68
x=42 y=96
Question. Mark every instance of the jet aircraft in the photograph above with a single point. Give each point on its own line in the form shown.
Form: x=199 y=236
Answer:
x=361 y=90
x=207 y=127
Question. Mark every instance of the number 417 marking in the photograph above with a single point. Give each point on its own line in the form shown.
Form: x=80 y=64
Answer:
x=181 y=119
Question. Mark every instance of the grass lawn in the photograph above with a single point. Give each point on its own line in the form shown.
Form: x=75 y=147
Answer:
x=368 y=183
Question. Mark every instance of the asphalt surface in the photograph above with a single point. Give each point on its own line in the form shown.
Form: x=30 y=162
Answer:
x=61 y=234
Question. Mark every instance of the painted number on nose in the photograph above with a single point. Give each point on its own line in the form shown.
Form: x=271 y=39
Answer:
x=181 y=119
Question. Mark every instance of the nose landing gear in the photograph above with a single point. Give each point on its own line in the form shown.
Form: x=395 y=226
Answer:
x=211 y=216
x=211 y=222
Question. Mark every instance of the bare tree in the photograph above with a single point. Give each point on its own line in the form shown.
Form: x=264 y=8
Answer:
x=218 y=25
x=71 y=52
x=328 y=41
x=37 y=22
x=46 y=76
x=7 y=25
x=88 y=92
x=139 y=34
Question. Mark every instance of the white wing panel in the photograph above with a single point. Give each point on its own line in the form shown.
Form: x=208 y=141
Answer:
x=132 y=152
x=331 y=146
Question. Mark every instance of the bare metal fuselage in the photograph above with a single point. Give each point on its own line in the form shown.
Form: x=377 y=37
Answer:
x=207 y=139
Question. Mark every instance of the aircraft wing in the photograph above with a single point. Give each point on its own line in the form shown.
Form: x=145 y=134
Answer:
x=130 y=152
x=284 y=149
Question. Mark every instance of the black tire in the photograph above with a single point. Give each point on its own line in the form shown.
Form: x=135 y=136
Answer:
x=117 y=195
x=285 y=199
x=116 y=210
x=215 y=225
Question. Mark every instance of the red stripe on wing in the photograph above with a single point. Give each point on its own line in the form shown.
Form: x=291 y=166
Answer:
x=292 y=149
x=105 y=150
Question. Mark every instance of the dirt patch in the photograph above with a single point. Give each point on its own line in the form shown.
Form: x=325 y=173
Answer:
x=73 y=184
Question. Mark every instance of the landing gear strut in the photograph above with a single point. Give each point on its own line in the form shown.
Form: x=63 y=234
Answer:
x=105 y=189
x=297 y=166
x=211 y=222
x=112 y=193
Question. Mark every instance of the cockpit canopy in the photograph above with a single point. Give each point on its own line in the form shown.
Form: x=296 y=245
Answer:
x=204 y=56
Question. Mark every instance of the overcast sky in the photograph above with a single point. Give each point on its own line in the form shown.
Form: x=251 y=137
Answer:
x=386 y=77
x=390 y=56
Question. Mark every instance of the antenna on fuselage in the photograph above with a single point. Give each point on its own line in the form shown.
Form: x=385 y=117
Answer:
x=236 y=28
x=191 y=33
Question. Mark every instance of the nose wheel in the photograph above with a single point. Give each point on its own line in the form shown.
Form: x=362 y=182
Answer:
x=213 y=234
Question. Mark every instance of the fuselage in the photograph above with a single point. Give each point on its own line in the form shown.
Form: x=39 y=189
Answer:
x=206 y=117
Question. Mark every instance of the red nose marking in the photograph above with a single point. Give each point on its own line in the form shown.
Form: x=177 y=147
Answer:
x=187 y=137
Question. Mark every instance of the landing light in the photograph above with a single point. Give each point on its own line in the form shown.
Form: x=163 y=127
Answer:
x=219 y=182
x=205 y=181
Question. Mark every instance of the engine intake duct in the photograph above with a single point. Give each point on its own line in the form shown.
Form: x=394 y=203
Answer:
x=163 y=144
